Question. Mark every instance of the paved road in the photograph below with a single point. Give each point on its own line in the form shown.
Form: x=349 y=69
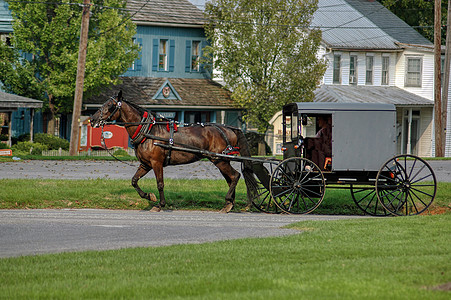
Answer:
x=118 y=170
x=30 y=232
x=102 y=169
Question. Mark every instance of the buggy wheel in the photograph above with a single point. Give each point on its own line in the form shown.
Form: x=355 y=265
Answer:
x=297 y=186
x=366 y=199
x=406 y=185
x=258 y=191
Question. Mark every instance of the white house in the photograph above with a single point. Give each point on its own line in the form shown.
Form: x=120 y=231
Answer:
x=373 y=56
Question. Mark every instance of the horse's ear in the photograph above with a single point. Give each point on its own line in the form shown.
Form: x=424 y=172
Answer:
x=119 y=95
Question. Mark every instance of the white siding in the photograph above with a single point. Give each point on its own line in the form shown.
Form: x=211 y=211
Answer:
x=427 y=79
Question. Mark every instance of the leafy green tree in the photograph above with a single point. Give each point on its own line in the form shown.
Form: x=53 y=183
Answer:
x=419 y=14
x=266 y=52
x=47 y=35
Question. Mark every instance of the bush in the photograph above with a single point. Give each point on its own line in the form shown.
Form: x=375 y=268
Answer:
x=120 y=152
x=3 y=137
x=23 y=148
x=253 y=138
x=4 y=146
x=52 y=142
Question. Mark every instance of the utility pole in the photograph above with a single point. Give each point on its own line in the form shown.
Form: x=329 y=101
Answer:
x=437 y=80
x=75 y=130
x=446 y=77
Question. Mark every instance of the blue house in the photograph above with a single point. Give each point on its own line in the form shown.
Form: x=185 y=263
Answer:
x=169 y=77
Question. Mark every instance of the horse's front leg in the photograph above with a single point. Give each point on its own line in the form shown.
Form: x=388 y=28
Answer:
x=158 y=170
x=142 y=171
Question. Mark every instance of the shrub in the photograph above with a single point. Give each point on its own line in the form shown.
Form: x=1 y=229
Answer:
x=253 y=138
x=4 y=146
x=52 y=142
x=23 y=148
x=120 y=152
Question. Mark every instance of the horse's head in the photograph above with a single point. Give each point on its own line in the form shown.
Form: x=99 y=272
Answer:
x=110 y=111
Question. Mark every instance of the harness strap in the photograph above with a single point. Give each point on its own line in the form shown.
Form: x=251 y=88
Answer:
x=171 y=126
x=229 y=150
x=147 y=122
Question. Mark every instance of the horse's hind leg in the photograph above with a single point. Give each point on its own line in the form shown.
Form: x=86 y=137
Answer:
x=142 y=171
x=231 y=176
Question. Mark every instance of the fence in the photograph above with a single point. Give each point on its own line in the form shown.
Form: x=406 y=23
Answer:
x=94 y=153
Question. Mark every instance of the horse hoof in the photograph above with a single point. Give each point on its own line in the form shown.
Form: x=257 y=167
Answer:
x=227 y=208
x=155 y=209
x=151 y=197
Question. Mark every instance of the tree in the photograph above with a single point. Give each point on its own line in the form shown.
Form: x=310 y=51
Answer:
x=266 y=52
x=419 y=14
x=47 y=35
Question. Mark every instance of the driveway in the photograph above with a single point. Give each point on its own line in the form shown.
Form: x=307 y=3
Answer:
x=39 y=231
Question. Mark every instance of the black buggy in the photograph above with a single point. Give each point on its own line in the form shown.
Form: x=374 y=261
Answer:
x=349 y=146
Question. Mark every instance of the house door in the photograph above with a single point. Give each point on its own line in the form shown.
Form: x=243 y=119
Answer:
x=410 y=131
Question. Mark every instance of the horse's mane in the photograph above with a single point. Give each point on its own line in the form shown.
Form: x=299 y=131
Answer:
x=135 y=106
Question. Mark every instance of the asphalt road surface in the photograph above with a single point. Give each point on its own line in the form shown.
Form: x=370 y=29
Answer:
x=39 y=231
x=126 y=170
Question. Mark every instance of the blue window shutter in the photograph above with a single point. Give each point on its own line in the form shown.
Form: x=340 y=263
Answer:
x=171 y=55
x=188 y=56
x=203 y=44
x=155 y=55
x=138 y=62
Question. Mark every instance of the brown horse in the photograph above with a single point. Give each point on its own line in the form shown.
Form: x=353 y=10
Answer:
x=145 y=129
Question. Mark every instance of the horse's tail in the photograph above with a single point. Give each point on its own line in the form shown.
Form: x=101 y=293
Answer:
x=246 y=165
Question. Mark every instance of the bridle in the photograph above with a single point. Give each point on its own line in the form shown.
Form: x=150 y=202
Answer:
x=117 y=107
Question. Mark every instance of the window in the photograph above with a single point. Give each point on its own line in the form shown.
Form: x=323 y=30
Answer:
x=162 y=56
x=137 y=64
x=353 y=70
x=385 y=68
x=413 y=71
x=337 y=69
x=195 y=56
x=369 y=70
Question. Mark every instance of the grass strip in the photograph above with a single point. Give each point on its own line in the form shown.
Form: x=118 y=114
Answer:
x=180 y=194
x=377 y=258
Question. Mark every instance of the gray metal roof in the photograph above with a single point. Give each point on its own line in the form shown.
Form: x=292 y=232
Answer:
x=180 y=12
x=329 y=107
x=363 y=24
x=369 y=94
x=12 y=102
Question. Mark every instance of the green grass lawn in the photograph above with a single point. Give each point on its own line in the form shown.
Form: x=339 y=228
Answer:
x=376 y=258
x=180 y=194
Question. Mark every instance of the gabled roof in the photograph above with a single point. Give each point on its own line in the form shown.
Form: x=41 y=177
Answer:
x=145 y=91
x=180 y=12
x=363 y=24
x=369 y=94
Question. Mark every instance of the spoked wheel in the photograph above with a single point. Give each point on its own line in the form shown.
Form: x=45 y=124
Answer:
x=365 y=198
x=406 y=185
x=297 y=186
x=258 y=191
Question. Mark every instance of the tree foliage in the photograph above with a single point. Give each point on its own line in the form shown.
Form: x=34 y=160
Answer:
x=419 y=14
x=47 y=36
x=266 y=53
